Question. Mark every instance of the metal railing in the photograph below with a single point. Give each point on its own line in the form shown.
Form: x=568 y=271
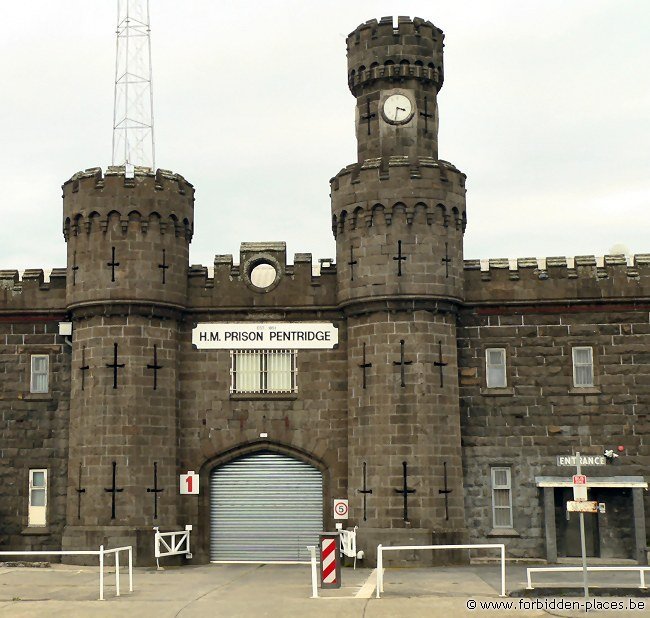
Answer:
x=530 y=570
x=172 y=544
x=101 y=553
x=381 y=549
x=348 y=545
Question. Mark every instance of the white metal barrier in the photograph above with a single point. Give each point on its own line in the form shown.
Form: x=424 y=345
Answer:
x=381 y=549
x=348 y=544
x=101 y=553
x=579 y=569
x=314 y=571
x=172 y=543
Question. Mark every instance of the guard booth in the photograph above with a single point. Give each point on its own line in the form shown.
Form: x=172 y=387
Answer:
x=619 y=532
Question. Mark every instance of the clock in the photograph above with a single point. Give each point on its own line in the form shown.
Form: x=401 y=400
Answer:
x=397 y=109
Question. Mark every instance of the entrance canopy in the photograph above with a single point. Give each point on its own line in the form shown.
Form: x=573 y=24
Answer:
x=592 y=481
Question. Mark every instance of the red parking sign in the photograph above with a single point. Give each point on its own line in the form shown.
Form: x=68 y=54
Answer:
x=579 y=479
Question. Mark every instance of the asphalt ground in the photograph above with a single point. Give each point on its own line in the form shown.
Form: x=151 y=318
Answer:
x=253 y=590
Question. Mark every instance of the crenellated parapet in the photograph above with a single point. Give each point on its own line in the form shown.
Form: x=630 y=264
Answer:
x=288 y=287
x=363 y=192
x=410 y=209
x=158 y=212
x=32 y=292
x=127 y=236
x=378 y=50
x=582 y=279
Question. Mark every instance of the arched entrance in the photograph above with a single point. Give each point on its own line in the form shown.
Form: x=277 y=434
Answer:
x=265 y=507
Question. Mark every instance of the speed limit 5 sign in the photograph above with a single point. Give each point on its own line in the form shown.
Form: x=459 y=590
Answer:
x=340 y=508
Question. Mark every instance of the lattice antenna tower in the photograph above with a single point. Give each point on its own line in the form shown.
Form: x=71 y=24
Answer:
x=133 y=135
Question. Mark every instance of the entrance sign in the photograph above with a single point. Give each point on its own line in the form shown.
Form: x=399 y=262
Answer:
x=341 y=508
x=189 y=484
x=582 y=506
x=585 y=460
x=265 y=335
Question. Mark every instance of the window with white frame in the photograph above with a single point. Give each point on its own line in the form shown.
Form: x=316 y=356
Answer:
x=36 y=515
x=501 y=497
x=495 y=367
x=40 y=374
x=583 y=367
x=263 y=371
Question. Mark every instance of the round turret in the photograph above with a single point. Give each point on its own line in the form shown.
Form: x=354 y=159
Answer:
x=395 y=73
x=128 y=237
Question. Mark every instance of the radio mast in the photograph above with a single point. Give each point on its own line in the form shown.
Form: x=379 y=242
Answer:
x=133 y=136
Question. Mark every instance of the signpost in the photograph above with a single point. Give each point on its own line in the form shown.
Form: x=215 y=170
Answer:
x=579 y=490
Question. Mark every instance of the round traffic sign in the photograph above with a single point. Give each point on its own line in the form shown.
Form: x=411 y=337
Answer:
x=341 y=509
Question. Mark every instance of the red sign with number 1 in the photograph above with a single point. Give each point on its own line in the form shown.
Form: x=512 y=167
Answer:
x=189 y=483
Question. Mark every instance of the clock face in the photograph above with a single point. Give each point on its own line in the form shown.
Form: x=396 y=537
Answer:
x=397 y=109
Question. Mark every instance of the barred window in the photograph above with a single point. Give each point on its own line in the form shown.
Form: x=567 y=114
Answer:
x=583 y=367
x=263 y=371
x=495 y=367
x=40 y=373
x=501 y=498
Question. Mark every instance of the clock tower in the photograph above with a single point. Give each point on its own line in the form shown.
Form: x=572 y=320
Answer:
x=398 y=216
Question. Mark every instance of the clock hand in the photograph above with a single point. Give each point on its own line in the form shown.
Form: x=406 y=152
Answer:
x=397 y=109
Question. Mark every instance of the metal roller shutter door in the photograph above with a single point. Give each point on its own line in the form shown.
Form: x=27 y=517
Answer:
x=265 y=507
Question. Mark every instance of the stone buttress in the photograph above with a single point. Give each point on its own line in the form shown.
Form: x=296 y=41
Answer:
x=398 y=216
x=127 y=254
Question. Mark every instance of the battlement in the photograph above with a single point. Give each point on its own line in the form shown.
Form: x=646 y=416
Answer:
x=32 y=291
x=361 y=195
x=94 y=178
x=163 y=201
x=557 y=279
x=399 y=167
x=296 y=286
x=378 y=50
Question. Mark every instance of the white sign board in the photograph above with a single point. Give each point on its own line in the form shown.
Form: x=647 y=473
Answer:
x=579 y=487
x=341 y=509
x=265 y=336
x=582 y=506
x=189 y=483
x=585 y=460
x=579 y=493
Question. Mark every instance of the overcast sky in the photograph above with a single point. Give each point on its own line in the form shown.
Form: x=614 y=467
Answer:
x=545 y=107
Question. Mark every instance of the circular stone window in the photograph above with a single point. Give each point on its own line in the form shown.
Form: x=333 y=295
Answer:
x=263 y=275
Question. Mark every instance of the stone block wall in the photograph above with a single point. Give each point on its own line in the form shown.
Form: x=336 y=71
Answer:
x=216 y=426
x=33 y=429
x=541 y=415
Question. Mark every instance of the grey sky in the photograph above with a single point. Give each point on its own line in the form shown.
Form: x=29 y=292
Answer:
x=545 y=107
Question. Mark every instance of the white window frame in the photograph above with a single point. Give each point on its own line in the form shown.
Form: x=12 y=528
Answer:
x=262 y=385
x=33 y=373
x=37 y=515
x=496 y=486
x=576 y=364
x=502 y=364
